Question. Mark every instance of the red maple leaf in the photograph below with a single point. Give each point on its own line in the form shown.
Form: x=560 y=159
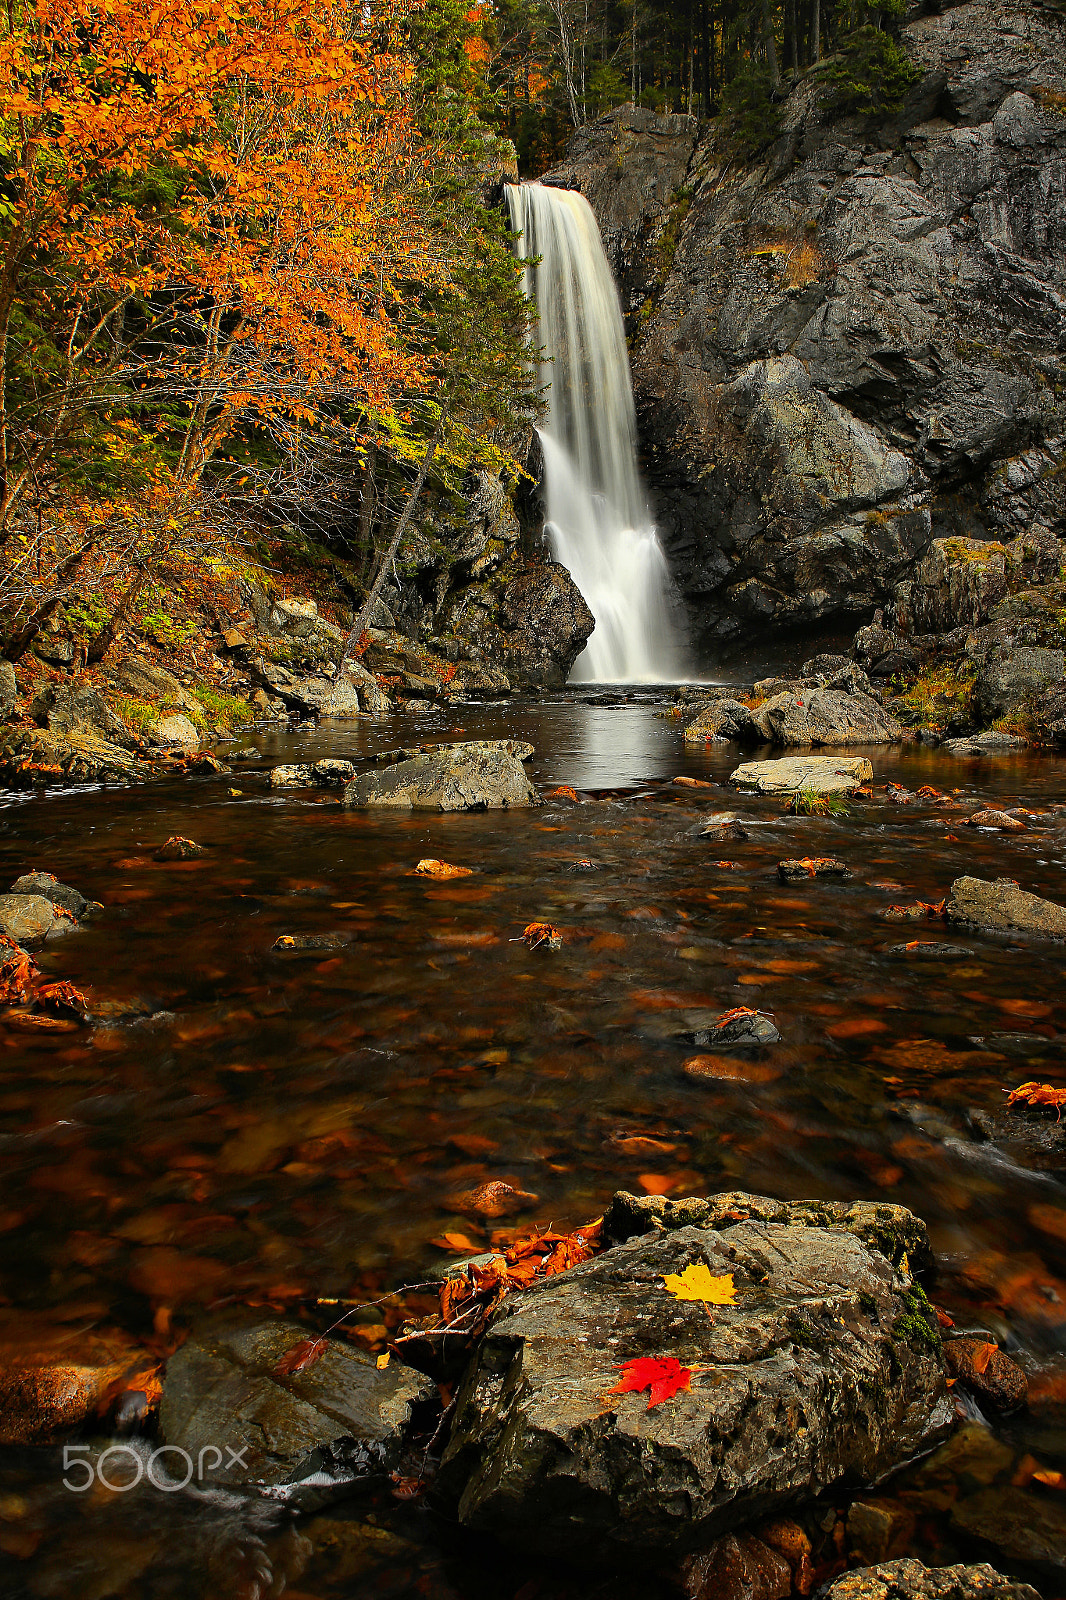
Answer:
x=663 y=1375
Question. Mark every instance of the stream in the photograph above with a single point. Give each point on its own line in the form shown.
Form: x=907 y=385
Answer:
x=241 y=1123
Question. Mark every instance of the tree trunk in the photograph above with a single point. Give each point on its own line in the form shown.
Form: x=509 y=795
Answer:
x=20 y=642
x=566 y=50
x=101 y=642
x=366 y=610
x=816 y=31
x=771 y=47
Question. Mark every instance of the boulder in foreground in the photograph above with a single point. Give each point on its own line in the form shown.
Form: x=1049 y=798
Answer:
x=299 y=1435
x=483 y=775
x=800 y=774
x=910 y=1580
x=29 y=919
x=1001 y=907
x=826 y=1369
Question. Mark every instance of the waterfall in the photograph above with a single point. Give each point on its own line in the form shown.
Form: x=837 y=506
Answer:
x=597 y=514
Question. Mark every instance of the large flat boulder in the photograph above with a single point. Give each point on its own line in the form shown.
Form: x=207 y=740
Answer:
x=826 y=717
x=1002 y=907
x=33 y=756
x=298 y=1436
x=909 y=1579
x=826 y=1369
x=800 y=774
x=482 y=775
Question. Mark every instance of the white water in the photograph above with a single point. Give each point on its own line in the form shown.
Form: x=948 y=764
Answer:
x=597 y=513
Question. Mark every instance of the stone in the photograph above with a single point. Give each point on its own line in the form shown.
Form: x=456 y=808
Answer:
x=732 y=1030
x=878 y=1529
x=295 y=943
x=332 y=773
x=58 y=652
x=316 y=693
x=8 y=690
x=479 y=776
x=738 y=1567
x=721 y=827
x=177 y=848
x=33 y=756
x=1002 y=907
x=176 y=733
x=801 y=774
x=291 y=777
x=1000 y=821
x=819 y=717
x=909 y=1579
x=1009 y=680
x=339 y=1420
x=824 y=1328
x=52 y=1381
x=932 y=950
x=72 y=709
x=992 y=743
x=546 y=624
x=149 y=681
x=1022 y=1526
x=29 y=919
x=993 y=1378
x=954 y=585
x=812 y=867
x=723 y=719
x=48 y=885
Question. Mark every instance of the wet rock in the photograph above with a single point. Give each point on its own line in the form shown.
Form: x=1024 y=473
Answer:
x=812 y=867
x=49 y=886
x=733 y=1029
x=823 y=1328
x=908 y=1579
x=878 y=1529
x=738 y=1567
x=722 y=827
x=178 y=848
x=1021 y=1526
x=8 y=690
x=800 y=774
x=45 y=1395
x=29 y=919
x=931 y=950
x=317 y=693
x=1001 y=907
x=991 y=743
x=892 y=1230
x=291 y=777
x=295 y=943
x=724 y=719
x=987 y=1372
x=479 y=776
x=332 y=773
x=176 y=733
x=546 y=625
x=1009 y=679
x=32 y=756
x=1001 y=821
x=812 y=717
x=338 y=1420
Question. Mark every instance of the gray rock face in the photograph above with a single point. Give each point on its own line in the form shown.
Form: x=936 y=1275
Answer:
x=797 y=774
x=300 y=1436
x=29 y=918
x=148 y=681
x=1001 y=907
x=8 y=689
x=48 y=886
x=826 y=717
x=828 y=360
x=1014 y=680
x=546 y=625
x=314 y=692
x=478 y=776
x=954 y=585
x=32 y=756
x=724 y=719
x=177 y=732
x=827 y=1368
x=72 y=710
x=910 y=1580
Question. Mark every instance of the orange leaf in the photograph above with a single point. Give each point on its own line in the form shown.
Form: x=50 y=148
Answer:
x=1038 y=1094
x=663 y=1375
x=456 y=1241
x=538 y=934
x=982 y=1356
x=1050 y=1479
x=562 y=792
x=429 y=868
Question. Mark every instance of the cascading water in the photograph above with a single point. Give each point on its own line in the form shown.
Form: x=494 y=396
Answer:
x=597 y=514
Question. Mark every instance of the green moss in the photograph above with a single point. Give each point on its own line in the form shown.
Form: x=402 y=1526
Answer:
x=140 y=715
x=220 y=710
x=917 y=1325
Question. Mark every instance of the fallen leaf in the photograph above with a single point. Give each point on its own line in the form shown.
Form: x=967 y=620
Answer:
x=1038 y=1094
x=540 y=935
x=656 y=1182
x=698 y=1282
x=428 y=868
x=456 y=1241
x=493 y=1200
x=18 y=970
x=301 y=1356
x=982 y=1356
x=1050 y=1479
x=856 y=1027
x=562 y=791
x=383 y=1361
x=663 y=1375
x=62 y=998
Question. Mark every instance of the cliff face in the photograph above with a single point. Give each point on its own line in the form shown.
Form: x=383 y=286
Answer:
x=857 y=345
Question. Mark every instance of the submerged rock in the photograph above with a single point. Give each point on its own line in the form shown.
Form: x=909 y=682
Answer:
x=987 y=1372
x=1022 y=1526
x=731 y=1030
x=812 y=867
x=799 y=774
x=299 y=1435
x=480 y=776
x=1002 y=907
x=826 y=1369
x=723 y=827
x=911 y=1580
x=177 y=848
x=46 y=1393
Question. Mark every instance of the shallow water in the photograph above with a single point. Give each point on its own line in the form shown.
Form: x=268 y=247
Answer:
x=251 y=1125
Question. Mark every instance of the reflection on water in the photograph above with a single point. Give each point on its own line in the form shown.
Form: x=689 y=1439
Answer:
x=241 y=1123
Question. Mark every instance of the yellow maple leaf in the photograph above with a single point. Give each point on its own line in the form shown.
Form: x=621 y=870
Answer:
x=698 y=1282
